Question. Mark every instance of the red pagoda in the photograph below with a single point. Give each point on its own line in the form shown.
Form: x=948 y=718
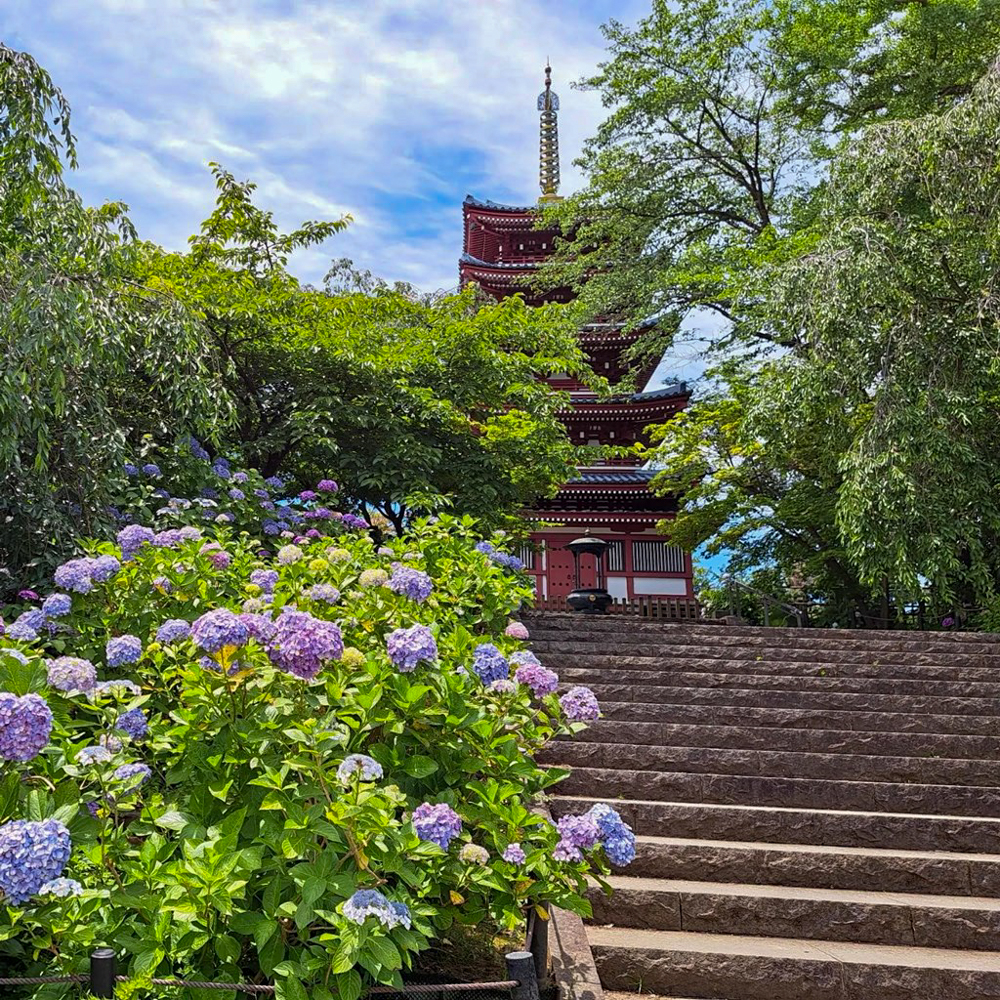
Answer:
x=501 y=250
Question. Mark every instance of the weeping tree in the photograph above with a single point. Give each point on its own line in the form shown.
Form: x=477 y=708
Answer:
x=91 y=356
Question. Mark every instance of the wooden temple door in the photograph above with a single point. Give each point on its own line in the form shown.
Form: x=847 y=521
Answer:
x=561 y=570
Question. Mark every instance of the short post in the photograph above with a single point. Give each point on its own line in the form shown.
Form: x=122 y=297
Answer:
x=102 y=972
x=521 y=969
x=540 y=947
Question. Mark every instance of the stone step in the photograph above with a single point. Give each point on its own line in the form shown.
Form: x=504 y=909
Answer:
x=781 y=764
x=768 y=790
x=977 y=681
x=635 y=647
x=800 y=718
x=762 y=968
x=817 y=866
x=919 y=920
x=783 y=825
x=839 y=701
x=740 y=736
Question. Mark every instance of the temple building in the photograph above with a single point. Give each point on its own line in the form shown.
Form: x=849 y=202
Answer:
x=502 y=248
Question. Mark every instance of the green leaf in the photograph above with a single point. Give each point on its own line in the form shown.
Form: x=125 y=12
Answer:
x=349 y=985
x=384 y=952
x=290 y=988
x=419 y=766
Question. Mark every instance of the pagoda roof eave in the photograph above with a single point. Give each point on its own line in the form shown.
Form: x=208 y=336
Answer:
x=494 y=206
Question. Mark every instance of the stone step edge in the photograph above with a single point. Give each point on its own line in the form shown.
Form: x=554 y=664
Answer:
x=903 y=956
x=873 y=897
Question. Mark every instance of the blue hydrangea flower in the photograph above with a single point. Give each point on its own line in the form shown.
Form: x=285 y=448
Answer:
x=71 y=674
x=485 y=547
x=133 y=723
x=439 y=824
x=25 y=627
x=32 y=853
x=237 y=494
x=409 y=646
x=103 y=568
x=219 y=628
x=580 y=705
x=93 y=755
x=130 y=469
x=173 y=630
x=197 y=450
x=152 y=470
x=57 y=605
x=270 y=527
x=75 y=575
x=367 y=903
x=358 y=765
x=302 y=644
x=61 y=887
x=240 y=477
x=130 y=772
x=221 y=468
x=261 y=494
x=133 y=538
x=25 y=726
x=489 y=663
x=514 y=854
x=411 y=583
x=325 y=592
x=123 y=649
x=274 y=482
x=617 y=837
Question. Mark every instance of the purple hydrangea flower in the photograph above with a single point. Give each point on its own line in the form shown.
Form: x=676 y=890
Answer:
x=151 y=469
x=129 y=772
x=168 y=538
x=61 y=887
x=133 y=538
x=408 y=646
x=32 y=854
x=265 y=579
x=237 y=494
x=103 y=568
x=617 y=837
x=323 y=592
x=27 y=625
x=96 y=754
x=25 y=726
x=302 y=644
x=580 y=705
x=217 y=629
x=110 y=742
x=411 y=583
x=260 y=626
x=123 y=649
x=173 y=630
x=75 y=575
x=71 y=674
x=57 y=605
x=209 y=493
x=327 y=486
x=261 y=494
x=489 y=663
x=516 y=630
x=133 y=723
x=358 y=765
x=27 y=595
x=439 y=824
x=576 y=834
x=350 y=520
x=308 y=495
x=541 y=680
x=514 y=854
x=367 y=903
x=270 y=528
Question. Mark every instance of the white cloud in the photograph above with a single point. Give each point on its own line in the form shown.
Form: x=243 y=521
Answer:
x=390 y=110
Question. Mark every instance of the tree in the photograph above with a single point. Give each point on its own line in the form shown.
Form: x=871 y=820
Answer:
x=91 y=357
x=413 y=402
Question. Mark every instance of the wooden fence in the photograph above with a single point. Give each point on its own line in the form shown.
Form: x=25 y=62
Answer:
x=667 y=609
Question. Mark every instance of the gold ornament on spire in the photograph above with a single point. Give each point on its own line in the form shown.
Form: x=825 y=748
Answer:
x=548 y=144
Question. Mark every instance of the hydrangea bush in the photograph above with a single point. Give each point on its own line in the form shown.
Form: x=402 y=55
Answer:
x=299 y=767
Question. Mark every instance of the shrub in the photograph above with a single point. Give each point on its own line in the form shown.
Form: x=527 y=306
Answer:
x=281 y=773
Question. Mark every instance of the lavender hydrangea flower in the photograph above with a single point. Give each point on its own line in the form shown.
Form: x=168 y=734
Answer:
x=167 y=539
x=473 y=854
x=302 y=644
x=408 y=646
x=439 y=824
x=173 y=630
x=489 y=663
x=502 y=686
x=265 y=579
x=221 y=468
x=289 y=554
x=237 y=494
x=71 y=674
x=25 y=627
x=217 y=556
x=103 y=568
x=133 y=723
x=541 y=680
x=189 y=533
x=57 y=605
x=580 y=705
x=516 y=630
x=32 y=853
x=63 y=888
x=411 y=583
x=617 y=837
x=367 y=903
x=129 y=772
x=219 y=628
x=358 y=765
x=373 y=577
x=75 y=575
x=514 y=854
x=576 y=834
x=323 y=592
x=352 y=521
x=259 y=625
x=327 y=486
x=93 y=755
x=123 y=649
x=25 y=726
x=133 y=538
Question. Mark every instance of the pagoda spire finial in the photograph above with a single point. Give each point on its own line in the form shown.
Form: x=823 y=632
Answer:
x=548 y=144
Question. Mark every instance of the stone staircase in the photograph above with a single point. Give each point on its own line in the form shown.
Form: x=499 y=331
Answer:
x=817 y=811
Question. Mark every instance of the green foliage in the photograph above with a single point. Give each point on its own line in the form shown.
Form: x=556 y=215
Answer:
x=234 y=860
